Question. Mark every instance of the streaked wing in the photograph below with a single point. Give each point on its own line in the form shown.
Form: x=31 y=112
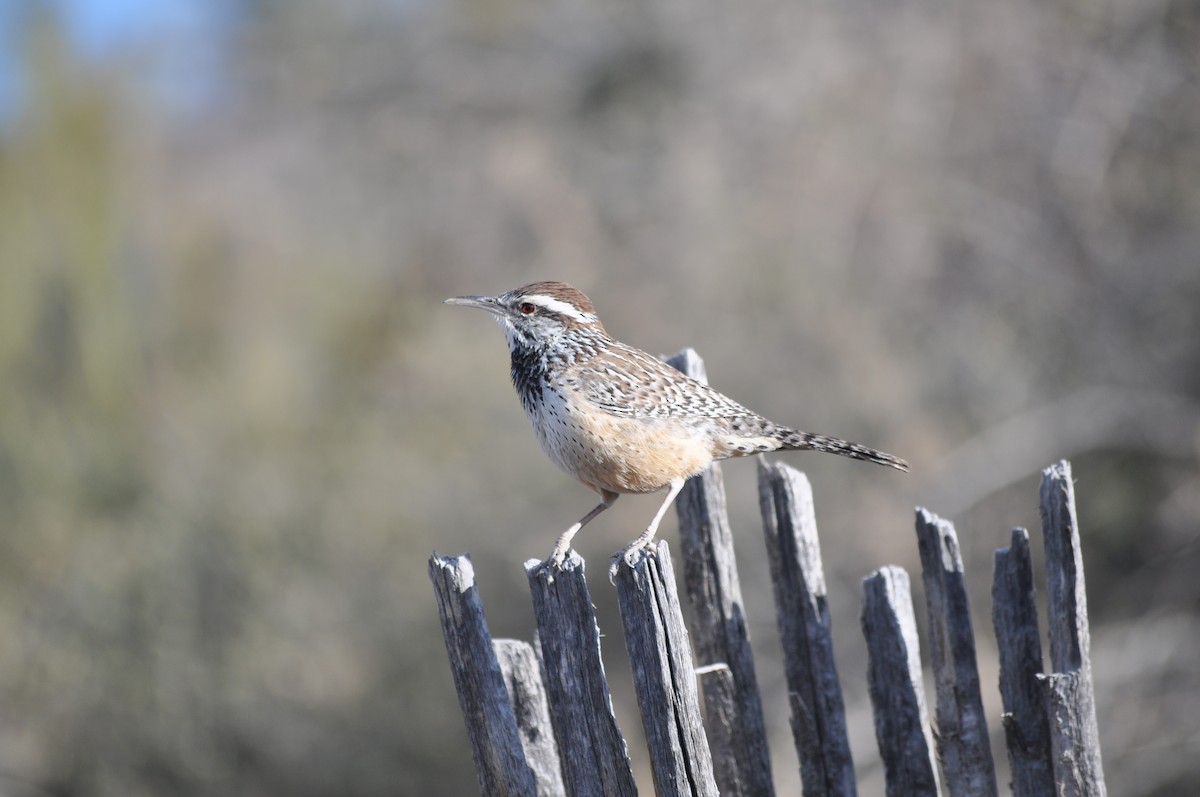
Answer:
x=627 y=382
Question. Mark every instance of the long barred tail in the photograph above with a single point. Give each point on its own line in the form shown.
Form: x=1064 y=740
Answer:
x=802 y=441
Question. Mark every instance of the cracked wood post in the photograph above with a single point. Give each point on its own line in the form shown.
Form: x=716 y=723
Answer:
x=663 y=675
x=737 y=732
x=894 y=678
x=595 y=758
x=1014 y=615
x=527 y=696
x=1074 y=736
x=962 y=740
x=818 y=714
x=500 y=762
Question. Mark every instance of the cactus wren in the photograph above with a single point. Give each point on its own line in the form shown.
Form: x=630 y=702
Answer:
x=618 y=419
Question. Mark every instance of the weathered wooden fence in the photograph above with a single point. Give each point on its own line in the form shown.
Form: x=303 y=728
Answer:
x=541 y=722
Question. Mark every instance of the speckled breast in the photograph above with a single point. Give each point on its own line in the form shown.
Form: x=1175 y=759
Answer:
x=610 y=452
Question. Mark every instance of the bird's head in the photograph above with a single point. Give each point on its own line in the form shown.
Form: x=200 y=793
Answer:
x=537 y=314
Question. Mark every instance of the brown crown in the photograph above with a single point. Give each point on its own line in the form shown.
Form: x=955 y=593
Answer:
x=561 y=291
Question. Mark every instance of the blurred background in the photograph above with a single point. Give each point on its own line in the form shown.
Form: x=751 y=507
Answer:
x=235 y=418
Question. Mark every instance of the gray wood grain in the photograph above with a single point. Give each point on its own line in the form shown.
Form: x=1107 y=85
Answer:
x=1014 y=615
x=1075 y=748
x=963 y=746
x=1074 y=736
x=663 y=675
x=818 y=714
x=595 y=758
x=496 y=747
x=894 y=678
x=733 y=708
x=527 y=696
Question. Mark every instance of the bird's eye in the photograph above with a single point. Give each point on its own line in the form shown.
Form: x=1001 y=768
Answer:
x=527 y=308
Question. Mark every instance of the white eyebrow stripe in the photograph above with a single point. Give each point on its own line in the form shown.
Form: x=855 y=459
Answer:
x=559 y=306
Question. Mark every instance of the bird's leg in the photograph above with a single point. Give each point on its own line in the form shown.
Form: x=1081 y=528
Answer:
x=563 y=545
x=646 y=536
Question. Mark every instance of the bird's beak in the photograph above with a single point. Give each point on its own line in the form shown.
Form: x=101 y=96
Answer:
x=489 y=303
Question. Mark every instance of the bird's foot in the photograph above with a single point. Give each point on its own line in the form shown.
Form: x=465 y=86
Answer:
x=629 y=554
x=558 y=556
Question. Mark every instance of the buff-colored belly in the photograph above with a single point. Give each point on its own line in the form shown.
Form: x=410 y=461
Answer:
x=622 y=455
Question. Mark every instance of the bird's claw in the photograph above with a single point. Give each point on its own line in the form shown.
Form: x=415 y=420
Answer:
x=557 y=557
x=614 y=566
x=629 y=555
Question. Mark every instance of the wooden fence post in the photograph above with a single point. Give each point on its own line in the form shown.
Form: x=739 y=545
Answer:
x=802 y=613
x=527 y=696
x=1014 y=614
x=663 y=675
x=1049 y=720
x=897 y=695
x=962 y=736
x=500 y=762
x=737 y=732
x=595 y=758
x=1074 y=736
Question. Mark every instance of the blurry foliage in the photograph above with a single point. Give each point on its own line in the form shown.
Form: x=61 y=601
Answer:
x=235 y=419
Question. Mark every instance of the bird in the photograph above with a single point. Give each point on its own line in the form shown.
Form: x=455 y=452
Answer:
x=620 y=420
